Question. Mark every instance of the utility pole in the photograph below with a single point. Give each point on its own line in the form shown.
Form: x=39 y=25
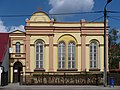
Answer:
x=105 y=67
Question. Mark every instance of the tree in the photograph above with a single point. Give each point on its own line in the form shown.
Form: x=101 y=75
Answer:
x=114 y=49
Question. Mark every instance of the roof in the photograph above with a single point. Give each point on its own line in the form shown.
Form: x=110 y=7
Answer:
x=40 y=16
x=17 y=31
x=4 y=39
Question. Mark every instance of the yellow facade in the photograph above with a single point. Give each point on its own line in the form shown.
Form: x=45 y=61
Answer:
x=40 y=28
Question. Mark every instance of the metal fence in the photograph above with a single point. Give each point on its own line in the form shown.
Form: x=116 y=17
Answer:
x=62 y=79
x=68 y=79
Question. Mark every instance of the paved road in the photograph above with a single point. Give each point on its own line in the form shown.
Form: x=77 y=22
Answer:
x=51 y=87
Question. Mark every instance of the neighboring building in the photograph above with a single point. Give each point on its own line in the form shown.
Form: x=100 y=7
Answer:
x=50 y=46
x=17 y=54
x=4 y=58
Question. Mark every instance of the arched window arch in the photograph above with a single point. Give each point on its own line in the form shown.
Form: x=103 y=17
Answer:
x=17 y=47
x=71 y=55
x=61 y=55
x=94 y=54
x=39 y=54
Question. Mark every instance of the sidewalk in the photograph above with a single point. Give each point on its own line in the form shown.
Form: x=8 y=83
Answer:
x=56 y=87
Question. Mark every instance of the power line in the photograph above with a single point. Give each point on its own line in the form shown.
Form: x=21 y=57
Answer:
x=113 y=11
x=78 y=13
x=15 y=15
x=114 y=18
x=56 y=14
x=23 y=15
x=94 y=20
x=97 y=19
x=84 y=23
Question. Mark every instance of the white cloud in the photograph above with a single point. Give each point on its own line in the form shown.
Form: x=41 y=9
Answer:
x=13 y=28
x=65 y=6
x=2 y=27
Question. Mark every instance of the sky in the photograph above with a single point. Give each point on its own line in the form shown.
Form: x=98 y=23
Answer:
x=28 y=7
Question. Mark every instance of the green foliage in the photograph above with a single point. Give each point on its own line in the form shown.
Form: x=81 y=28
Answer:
x=114 y=49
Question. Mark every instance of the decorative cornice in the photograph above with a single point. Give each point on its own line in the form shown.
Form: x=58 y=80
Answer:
x=17 y=34
x=20 y=44
x=55 y=45
x=99 y=44
x=46 y=45
x=78 y=45
x=94 y=69
x=39 y=28
x=67 y=70
x=32 y=44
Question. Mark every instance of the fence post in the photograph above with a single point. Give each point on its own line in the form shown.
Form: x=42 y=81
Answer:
x=48 y=78
x=64 y=78
x=86 y=76
x=96 y=80
x=42 y=78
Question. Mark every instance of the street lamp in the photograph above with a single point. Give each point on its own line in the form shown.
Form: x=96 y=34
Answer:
x=105 y=68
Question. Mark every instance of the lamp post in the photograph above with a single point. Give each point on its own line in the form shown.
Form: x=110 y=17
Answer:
x=105 y=67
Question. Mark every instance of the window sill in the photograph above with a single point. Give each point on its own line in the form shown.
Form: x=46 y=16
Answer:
x=94 y=69
x=39 y=70
x=67 y=69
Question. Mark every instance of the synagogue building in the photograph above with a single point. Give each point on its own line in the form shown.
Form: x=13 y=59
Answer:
x=48 y=46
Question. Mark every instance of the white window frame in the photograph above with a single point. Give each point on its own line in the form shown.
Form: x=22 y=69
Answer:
x=61 y=55
x=93 y=55
x=40 y=58
x=17 y=47
x=71 y=55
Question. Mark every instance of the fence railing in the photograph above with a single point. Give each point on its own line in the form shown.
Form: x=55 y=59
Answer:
x=68 y=79
x=62 y=79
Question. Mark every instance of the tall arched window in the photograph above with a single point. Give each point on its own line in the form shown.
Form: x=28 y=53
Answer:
x=61 y=55
x=93 y=55
x=39 y=54
x=17 y=47
x=71 y=55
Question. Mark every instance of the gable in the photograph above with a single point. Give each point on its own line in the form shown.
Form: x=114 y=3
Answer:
x=17 y=32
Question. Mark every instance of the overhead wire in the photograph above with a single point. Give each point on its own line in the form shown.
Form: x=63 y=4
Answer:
x=93 y=20
x=97 y=19
x=25 y=15
x=74 y=13
x=113 y=12
x=84 y=23
x=114 y=18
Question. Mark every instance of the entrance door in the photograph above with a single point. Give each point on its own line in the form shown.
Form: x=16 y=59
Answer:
x=16 y=71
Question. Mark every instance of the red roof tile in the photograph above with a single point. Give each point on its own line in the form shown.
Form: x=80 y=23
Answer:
x=4 y=39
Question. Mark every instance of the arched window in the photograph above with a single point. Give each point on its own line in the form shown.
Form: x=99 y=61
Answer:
x=17 y=47
x=71 y=55
x=93 y=55
x=39 y=54
x=61 y=55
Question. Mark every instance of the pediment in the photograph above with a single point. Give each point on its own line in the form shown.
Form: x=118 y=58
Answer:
x=17 y=32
